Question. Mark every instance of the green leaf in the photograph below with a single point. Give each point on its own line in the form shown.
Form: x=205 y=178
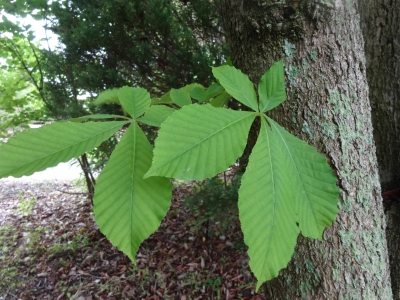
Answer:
x=287 y=187
x=312 y=177
x=220 y=100
x=37 y=149
x=165 y=99
x=156 y=114
x=237 y=84
x=155 y=101
x=97 y=117
x=199 y=94
x=187 y=88
x=180 y=97
x=190 y=140
x=134 y=100
x=266 y=208
x=271 y=89
x=214 y=90
x=107 y=96
x=127 y=207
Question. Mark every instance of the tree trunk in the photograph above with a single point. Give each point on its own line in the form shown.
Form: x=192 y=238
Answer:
x=381 y=27
x=89 y=177
x=393 y=239
x=322 y=47
x=380 y=22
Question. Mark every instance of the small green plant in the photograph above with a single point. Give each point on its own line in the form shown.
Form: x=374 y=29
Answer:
x=214 y=199
x=54 y=249
x=25 y=206
x=288 y=188
x=79 y=240
x=9 y=278
x=13 y=255
x=5 y=240
x=214 y=282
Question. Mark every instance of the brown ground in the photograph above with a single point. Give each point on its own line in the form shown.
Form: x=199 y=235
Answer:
x=50 y=248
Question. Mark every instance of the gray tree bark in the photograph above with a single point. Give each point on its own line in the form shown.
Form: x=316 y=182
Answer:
x=393 y=240
x=381 y=27
x=322 y=47
x=380 y=20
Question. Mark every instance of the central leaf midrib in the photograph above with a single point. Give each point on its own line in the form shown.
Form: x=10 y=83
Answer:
x=132 y=189
x=273 y=187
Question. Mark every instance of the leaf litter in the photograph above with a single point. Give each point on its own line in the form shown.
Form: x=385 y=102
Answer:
x=51 y=248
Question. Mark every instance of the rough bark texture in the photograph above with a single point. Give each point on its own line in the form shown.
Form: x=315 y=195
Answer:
x=380 y=22
x=393 y=239
x=381 y=27
x=322 y=46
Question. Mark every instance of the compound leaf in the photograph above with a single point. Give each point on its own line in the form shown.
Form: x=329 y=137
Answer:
x=134 y=100
x=237 y=84
x=127 y=207
x=190 y=140
x=37 y=149
x=266 y=208
x=271 y=89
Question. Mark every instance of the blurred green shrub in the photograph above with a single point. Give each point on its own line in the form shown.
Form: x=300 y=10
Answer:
x=214 y=201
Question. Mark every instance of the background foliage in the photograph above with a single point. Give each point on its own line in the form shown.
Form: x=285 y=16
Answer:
x=215 y=200
x=155 y=44
x=21 y=78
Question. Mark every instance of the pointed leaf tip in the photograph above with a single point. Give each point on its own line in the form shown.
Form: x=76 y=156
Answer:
x=128 y=208
x=288 y=187
x=266 y=209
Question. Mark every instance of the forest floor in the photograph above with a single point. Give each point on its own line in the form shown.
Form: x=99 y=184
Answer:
x=51 y=248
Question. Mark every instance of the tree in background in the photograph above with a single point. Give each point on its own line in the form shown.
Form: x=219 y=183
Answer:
x=381 y=28
x=21 y=78
x=155 y=44
x=322 y=45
